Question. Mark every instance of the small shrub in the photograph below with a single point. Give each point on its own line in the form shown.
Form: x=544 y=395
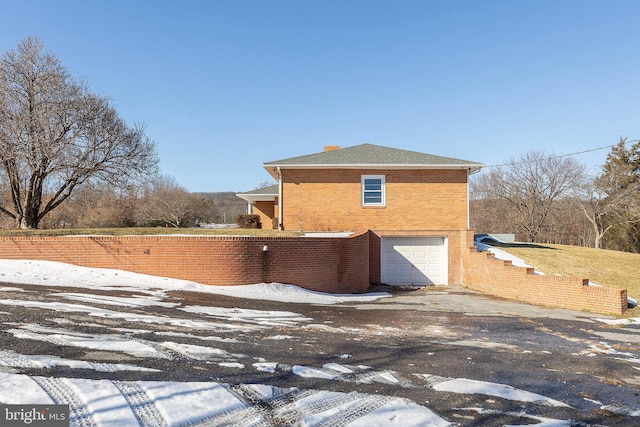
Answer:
x=248 y=221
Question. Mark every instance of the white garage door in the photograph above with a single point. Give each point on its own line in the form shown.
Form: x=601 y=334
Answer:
x=413 y=260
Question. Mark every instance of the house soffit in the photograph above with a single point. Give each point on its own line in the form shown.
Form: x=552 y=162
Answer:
x=265 y=194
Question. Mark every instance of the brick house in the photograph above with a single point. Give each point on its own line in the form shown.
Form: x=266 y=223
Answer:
x=415 y=205
x=408 y=223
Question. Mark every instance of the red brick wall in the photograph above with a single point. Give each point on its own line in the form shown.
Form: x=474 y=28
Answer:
x=336 y=265
x=484 y=273
x=331 y=199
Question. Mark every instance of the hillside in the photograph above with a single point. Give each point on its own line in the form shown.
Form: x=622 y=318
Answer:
x=608 y=268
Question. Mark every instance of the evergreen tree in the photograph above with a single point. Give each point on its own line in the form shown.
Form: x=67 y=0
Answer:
x=620 y=181
x=622 y=167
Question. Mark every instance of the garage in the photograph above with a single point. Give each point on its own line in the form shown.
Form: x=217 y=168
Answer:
x=413 y=260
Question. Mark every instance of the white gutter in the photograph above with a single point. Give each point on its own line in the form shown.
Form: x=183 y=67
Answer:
x=468 y=205
x=279 y=172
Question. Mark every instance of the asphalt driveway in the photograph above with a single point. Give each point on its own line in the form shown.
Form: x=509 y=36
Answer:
x=471 y=359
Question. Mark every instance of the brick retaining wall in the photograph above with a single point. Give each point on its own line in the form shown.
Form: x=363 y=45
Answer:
x=486 y=274
x=335 y=265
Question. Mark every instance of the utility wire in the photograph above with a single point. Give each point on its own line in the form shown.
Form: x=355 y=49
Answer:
x=559 y=156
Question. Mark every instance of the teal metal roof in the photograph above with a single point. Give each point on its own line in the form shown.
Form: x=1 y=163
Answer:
x=371 y=155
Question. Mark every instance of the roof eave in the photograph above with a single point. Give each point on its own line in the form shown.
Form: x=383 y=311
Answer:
x=257 y=197
x=470 y=167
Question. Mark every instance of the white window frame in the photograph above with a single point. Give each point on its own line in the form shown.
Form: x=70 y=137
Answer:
x=382 y=190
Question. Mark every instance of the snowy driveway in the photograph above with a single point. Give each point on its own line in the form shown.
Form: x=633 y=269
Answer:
x=128 y=350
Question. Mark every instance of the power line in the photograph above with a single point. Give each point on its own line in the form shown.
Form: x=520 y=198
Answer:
x=559 y=156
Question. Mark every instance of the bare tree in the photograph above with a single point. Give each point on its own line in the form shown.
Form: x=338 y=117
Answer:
x=265 y=184
x=165 y=202
x=490 y=215
x=605 y=209
x=95 y=205
x=531 y=184
x=55 y=135
x=221 y=207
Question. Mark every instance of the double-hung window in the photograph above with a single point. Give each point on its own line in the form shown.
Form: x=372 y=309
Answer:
x=373 y=190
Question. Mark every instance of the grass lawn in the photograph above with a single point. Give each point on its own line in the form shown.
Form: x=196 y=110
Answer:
x=139 y=231
x=607 y=268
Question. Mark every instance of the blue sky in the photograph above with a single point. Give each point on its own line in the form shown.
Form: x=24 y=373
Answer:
x=224 y=86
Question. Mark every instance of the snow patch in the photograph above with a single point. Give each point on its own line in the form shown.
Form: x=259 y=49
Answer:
x=269 y=367
x=260 y=317
x=503 y=255
x=16 y=360
x=52 y=273
x=102 y=342
x=467 y=386
x=199 y=352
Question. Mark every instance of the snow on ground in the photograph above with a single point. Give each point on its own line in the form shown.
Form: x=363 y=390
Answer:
x=503 y=255
x=364 y=374
x=176 y=403
x=151 y=403
x=260 y=317
x=61 y=274
x=114 y=403
x=290 y=293
x=542 y=421
x=467 y=386
x=130 y=317
x=135 y=301
x=628 y=321
x=10 y=360
x=105 y=342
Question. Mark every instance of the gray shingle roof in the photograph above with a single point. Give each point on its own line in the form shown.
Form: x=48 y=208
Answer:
x=272 y=189
x=371 y=155
x=264 y=193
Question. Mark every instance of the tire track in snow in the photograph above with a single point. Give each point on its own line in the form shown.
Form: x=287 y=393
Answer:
x=329 y=403
x=289 y=407
x=277 y=405
x=61 y=393
x=364 y=405
x=142 y=406
x=285 y=407
x=16 y=360
x=265 y=408
x=239 y=417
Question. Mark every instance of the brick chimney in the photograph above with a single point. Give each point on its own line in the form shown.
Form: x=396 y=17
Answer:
x=331 y=147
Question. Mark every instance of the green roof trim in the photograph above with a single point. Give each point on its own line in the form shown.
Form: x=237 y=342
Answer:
x=372 y=155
